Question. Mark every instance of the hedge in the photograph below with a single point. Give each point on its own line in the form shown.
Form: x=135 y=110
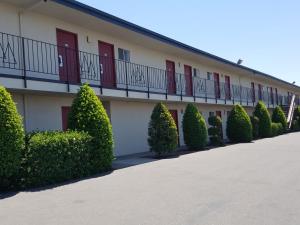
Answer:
x=239 y=128
x=277 y=129
x=264 y=126
x=52 y=157
x=215 y=131
x=279 y=117
x=162 y=131
x=88 y=114
x=11 y=141
x=194 y=128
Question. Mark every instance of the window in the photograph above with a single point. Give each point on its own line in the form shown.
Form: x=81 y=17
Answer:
x=124 y=54
x=209 y=74
x=211 y=114
x=196 y=72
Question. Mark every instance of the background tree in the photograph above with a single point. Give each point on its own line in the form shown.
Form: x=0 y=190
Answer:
x=88 y=114
x=194 y=128
x=11 y=141
x=162 y=131
x=239 y=128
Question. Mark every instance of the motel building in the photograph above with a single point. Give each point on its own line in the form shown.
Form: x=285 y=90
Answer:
x=48 y=48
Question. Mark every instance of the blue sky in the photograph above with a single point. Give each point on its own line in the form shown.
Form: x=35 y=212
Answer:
x=265 y=34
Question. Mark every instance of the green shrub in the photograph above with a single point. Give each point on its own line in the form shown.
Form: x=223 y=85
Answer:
x=277 y=129
x=296 y=113
x=162 y=131
x=11 y=141
x=262 y=113
x=52 y=157
x=215 y=131
x=255 y=126
x=279 y=117
x=194 y=128
x=239 y=128
x=88 y=114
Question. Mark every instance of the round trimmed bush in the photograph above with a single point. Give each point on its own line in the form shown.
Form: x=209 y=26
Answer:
x=262 y=113
x=255 y=126
x=194 y=128
x=88 y=114
x=239 y=128
x=279 y=117
x=162 y=131
x=215 y=131
x=11 y=141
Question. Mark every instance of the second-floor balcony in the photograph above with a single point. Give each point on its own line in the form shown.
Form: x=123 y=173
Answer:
x=28 y=59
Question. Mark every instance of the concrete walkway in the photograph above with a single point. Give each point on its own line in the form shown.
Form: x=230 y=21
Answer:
x=243 y=184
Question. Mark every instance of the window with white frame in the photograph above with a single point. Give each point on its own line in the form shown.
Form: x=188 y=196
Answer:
x=211 y=114
x=124 y=54
x=209 y=75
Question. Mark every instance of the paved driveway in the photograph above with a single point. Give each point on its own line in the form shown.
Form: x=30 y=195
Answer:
x=256 y=183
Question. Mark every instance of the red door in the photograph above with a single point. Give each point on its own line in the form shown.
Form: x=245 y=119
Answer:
x=67 y=48
x=107 y=68
x=271 y=95
x=217 y=85
x=170 y=67
x=227 y=87
x=219 y=114
x=188 y=80
x=260 y=92
x=253 y=91
x=276 y=96
x=64 y=115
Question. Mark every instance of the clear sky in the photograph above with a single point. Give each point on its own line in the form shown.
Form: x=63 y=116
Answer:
x=264 y=33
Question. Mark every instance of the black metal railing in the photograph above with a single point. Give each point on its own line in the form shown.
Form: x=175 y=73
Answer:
x=31 y=59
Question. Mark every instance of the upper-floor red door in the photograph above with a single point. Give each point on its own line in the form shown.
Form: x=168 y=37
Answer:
x=67 y=48
x=227 y=88
x=107 y=65
x=217 y=85
x=188 y=80
x=253 y=91
x=170 y=67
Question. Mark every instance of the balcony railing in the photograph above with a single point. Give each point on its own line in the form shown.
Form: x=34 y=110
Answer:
x=30 y=59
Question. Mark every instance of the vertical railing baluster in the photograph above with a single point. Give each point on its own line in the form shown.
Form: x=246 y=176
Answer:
x=148 y=84
x=126 y=78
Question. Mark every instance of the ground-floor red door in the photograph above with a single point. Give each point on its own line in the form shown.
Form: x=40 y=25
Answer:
x=217 y=85
x=107 y=64
x=170 y=67
x=68 y=59
x=188 y=80
x=64 y=116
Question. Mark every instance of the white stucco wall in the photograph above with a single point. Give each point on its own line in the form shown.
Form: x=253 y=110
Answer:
x=42 y=27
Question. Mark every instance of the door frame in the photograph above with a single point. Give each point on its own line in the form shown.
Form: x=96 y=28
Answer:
x=228 y=87
x=174 y=75
x=217 y=85
x=113 y=59
x=76 y=50
x=190 y=78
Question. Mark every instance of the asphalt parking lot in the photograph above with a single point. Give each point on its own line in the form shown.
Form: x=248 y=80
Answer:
x=242 y=184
